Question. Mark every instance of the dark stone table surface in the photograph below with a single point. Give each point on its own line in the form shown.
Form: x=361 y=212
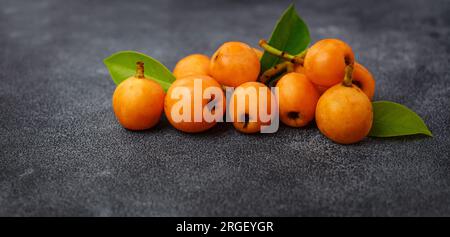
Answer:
x=62 y=153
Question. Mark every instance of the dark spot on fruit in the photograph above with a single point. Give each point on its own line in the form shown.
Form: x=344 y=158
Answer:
x=246 y=120
x=211 y=107
x=212 y=98
x=293 y=115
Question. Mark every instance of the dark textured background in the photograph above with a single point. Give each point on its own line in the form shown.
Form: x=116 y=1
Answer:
x=63 y=153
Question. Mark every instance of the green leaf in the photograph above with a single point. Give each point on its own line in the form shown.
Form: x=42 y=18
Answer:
x=290 y=34
x=122 y=65
x=391 y=119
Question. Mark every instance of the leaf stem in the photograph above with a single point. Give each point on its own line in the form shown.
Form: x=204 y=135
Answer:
x=297 y=59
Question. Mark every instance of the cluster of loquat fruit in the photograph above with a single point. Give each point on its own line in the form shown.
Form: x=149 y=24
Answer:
x=323 y=82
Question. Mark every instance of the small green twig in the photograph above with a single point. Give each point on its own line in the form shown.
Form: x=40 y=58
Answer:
x=297 y=59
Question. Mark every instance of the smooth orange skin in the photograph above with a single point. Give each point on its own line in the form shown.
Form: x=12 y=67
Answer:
x=234 y=63
x=301 y=69
x=297 y=95
x=259 y=53
x=191 y=127
x=321 y=89
x=255 y=126
x=364 y=80
x=194 y=64
x=138 y=103
x=344 y=114
x=326 y=60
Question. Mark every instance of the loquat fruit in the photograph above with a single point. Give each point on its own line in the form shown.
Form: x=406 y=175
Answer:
x=234 y=63
x=326 y=60
x=138 y=101
x=297 y=99
x=180 y=103
x=194 y=64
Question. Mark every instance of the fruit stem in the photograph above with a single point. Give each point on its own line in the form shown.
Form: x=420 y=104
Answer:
x=139 y=69
x=297 y=59
x=269 y=73
x=348 y=75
